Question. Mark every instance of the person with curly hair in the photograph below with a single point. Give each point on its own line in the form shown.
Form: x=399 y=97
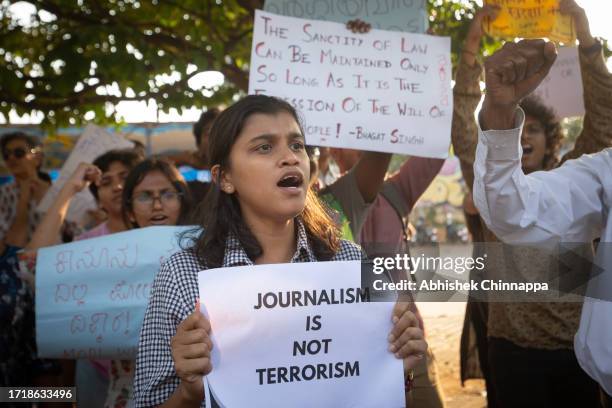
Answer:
x=542 y=135
x=527 y=346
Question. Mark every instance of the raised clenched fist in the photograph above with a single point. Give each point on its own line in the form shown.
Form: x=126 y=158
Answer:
x=511 y=74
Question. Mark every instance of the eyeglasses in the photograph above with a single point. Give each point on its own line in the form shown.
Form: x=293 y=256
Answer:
x=165 y=198
x=18 y=152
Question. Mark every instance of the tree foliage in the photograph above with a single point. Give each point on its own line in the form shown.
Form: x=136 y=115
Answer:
x=452 y=19
x=86 y=55
x=75 y=59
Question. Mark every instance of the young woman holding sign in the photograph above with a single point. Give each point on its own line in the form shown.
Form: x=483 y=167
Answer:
x=260 y=210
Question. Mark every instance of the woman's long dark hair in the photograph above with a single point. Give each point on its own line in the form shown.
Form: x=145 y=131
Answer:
x=219 y=214
x=139 y=172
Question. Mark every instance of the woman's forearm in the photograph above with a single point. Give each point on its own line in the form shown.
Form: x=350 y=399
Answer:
x=17 y=234
x=48 y=231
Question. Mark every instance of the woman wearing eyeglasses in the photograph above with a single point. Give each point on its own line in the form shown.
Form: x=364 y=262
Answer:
x=18 y=199
x=154 y=193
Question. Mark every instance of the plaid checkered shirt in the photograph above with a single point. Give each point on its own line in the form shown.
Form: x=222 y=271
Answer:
x=173 y=298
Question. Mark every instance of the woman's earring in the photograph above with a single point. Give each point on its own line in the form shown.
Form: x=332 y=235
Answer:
x=228 y=188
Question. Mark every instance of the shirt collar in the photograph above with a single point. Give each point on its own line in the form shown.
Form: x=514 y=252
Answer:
x=235 y=255
x=304 y=252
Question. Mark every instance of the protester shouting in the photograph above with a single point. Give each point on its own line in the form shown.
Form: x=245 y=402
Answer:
x=260 y=210
x=567 y=205
x=517 y=334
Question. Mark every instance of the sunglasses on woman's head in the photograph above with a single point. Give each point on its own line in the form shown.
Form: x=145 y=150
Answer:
x=18 y=152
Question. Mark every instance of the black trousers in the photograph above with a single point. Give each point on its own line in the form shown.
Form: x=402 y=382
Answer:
x=606 y=400
x=478 y=312
x=526 y=377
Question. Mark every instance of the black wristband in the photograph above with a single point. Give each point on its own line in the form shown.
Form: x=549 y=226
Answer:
x=595 y=48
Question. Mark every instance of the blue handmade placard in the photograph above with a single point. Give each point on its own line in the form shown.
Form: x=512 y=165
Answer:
x=91 y=295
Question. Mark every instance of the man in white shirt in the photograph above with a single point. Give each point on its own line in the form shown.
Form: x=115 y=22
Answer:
x=567 y=205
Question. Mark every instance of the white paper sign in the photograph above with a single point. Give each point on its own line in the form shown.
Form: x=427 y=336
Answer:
x=382 y=91
x=298 y=335
x=93 y=142
x=562 y=87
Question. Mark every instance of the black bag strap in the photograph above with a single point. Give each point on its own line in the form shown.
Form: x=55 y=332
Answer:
x=395 y=198
x=392 y=194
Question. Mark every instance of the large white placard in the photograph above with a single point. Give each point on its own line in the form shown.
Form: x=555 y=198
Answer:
x=298 y=335
x=562 y=87
x=93 y=142
x=382 y=91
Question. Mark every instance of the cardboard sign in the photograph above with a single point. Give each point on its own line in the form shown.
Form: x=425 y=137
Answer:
x=298 y=335
x=562 y=87
x=382 y=91
x=531 y=19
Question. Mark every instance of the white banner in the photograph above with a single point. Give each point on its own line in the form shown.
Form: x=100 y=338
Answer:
x=562 y=87
x=382 y=91
x=298 y=335
x=93 y=142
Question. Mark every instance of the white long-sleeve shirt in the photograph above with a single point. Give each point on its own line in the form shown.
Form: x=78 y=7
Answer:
x=570 y=204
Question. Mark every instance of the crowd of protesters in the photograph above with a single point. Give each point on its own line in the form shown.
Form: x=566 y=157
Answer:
x=273 y=200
